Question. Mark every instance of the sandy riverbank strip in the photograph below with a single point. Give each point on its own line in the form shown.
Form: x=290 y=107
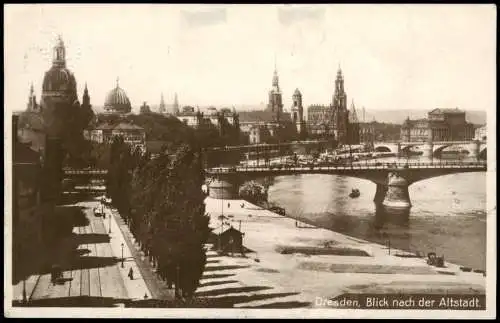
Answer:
x=304 y=262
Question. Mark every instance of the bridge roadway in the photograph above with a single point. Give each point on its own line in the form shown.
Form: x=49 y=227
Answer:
x=392 y=179
x=344 y=168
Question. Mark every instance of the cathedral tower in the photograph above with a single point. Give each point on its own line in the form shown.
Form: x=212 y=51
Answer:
x=275 y=104
x=298 y=111
x=339 y=106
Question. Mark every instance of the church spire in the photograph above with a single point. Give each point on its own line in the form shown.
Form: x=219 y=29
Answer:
x=176 y=104
x=162 y=104
x=86 y=97
x=353 y=116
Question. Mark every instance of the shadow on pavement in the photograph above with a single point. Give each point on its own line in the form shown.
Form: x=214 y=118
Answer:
x=291 y=304
x=91 y=238
x=217 y=282
x=217 y=276
x=216 y=268
x=230 y=301
x=230 y=290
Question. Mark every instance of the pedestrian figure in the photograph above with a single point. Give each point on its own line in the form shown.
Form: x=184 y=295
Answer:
x=131 y=274
x=228 y=205
x=242 y=205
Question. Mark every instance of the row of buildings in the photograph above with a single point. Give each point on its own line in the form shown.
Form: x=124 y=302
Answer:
x=273 y=124
x=440 y=125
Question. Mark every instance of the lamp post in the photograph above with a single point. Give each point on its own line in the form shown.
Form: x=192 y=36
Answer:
x=25 y=298
x=122 y=256
x=109 y=231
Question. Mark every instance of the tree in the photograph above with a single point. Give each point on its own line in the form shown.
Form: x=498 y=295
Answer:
x=168 y=215
x=253 y=192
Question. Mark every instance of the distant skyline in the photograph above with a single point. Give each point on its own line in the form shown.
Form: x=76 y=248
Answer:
x=392 y=56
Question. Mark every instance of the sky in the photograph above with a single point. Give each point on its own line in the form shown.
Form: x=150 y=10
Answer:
x=392 y=56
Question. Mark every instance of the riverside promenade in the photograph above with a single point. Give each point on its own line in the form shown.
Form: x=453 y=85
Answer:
x=293 y=264
x=91 y=262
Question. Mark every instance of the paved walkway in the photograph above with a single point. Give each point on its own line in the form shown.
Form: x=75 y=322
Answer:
x=94 y=268
x=157 y=287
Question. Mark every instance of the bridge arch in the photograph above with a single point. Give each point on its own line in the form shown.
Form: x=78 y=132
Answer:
x=383 y=149
x=439 y=149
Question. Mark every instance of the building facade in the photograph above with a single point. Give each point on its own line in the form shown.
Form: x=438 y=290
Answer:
x=481 y=133
x=133 y=135
x=190 y=117
x=320 y=121
x=440 y=125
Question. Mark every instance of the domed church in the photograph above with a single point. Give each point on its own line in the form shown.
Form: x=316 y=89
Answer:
x=59 y=84
x=117 y=101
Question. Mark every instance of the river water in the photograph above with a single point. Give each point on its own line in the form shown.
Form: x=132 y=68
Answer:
x=448 y=215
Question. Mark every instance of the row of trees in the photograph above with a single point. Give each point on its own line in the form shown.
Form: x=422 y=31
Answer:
x=162 y=201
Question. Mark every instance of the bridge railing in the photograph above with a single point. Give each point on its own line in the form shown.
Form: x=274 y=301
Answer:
x=353 y=166
x=85 y=171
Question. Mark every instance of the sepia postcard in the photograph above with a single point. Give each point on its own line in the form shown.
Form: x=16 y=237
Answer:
x=250 y=161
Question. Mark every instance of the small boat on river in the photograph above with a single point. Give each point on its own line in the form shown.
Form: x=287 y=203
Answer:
x=354 y=193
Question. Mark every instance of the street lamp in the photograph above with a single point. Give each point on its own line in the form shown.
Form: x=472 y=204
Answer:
x=25 y=298
x=122 y=256
x=109 y=231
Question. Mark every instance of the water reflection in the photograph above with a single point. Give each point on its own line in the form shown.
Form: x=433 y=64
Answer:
x=447 y=217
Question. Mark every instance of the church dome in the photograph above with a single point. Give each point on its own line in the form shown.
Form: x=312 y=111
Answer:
x=59 y=80
x=117 y=101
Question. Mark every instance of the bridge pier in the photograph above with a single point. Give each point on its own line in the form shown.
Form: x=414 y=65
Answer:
x=223 y=187
x=380 y=193
x=397 y=195
x=427 y=150
x=474 y=148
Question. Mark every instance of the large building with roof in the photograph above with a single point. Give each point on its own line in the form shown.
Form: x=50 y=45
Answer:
x=273 y=123
x=440 y=125
x=133 y=135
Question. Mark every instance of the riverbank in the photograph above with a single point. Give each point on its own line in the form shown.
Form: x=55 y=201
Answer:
x=293 y=263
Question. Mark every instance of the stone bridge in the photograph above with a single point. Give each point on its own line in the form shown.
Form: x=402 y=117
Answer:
x=392 y=179
x=475 y=148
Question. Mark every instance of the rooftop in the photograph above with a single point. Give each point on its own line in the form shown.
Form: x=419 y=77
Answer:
x=261 y=116
x=447 y=111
